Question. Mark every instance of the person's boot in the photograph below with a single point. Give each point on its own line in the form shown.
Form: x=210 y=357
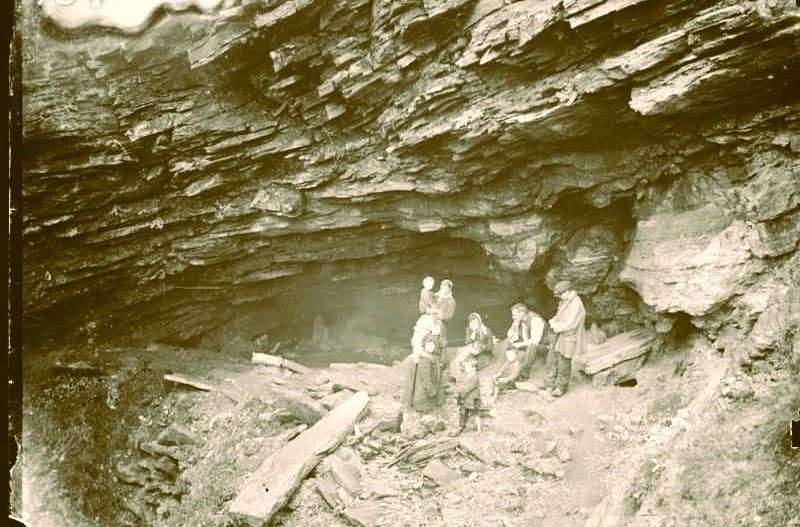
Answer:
x=557 y=392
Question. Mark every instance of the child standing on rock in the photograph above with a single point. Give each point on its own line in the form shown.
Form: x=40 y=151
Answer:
x=468 y=396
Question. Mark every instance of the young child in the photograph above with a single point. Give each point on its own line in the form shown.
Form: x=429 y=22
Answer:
x=510 y=372
x=427 y=298
x=468 y=396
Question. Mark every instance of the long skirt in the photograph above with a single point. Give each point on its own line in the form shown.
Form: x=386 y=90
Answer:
x=425 y=385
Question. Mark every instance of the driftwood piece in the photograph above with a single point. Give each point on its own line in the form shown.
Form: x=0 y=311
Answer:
x=271 y=486
x=194 y=383
x=197 y=384
x=618 y=373
x=618 y=349
x=280 y=362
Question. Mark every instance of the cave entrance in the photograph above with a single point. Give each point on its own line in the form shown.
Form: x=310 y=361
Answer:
x=369 y=306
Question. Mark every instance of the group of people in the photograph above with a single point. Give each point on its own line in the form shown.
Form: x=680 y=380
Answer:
x=561 y=338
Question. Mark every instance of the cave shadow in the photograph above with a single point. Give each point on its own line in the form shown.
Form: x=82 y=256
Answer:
x=370 y=309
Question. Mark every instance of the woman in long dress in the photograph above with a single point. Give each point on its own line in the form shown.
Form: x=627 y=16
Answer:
x=423 y=383
x=478 y=344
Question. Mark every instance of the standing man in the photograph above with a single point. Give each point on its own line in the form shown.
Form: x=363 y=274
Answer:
x=568 y=327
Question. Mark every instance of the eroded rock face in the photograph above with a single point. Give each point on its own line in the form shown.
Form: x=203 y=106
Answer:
x=211 y=160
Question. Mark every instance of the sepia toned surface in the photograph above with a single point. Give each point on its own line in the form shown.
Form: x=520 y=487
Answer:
x=205 y=179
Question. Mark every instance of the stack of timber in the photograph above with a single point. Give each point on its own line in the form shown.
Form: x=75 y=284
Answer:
x=617 y=359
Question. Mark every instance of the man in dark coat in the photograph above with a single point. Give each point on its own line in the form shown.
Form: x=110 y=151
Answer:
x=568 y=325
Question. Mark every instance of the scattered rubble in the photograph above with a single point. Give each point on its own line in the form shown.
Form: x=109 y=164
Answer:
x=269 y=488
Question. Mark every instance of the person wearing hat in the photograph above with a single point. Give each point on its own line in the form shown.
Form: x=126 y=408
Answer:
x=568 y=325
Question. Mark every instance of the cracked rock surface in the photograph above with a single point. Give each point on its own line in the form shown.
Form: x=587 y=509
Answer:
x=647 y=150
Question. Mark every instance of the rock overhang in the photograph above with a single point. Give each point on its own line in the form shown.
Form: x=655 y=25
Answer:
x=228 y=149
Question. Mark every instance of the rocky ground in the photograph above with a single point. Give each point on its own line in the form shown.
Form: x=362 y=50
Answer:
x=188 y=178
x=152 y=452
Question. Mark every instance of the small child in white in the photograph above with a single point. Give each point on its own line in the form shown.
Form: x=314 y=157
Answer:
x=427 y=298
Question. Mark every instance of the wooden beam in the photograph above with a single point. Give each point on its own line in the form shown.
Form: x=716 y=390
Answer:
x=194 y=383
x=271 y=486
x=198 y=385
x=619 y=350
x=280 y=362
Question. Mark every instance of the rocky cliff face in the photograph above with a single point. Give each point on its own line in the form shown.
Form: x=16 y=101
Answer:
x=647 y=150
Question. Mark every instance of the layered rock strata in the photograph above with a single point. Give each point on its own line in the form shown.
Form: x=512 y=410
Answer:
x=647 y=150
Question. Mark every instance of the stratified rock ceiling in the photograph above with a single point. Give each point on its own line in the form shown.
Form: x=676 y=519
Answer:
x=244 y=146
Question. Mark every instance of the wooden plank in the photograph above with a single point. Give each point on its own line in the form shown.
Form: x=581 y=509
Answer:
x=623 y=371
x=280 y=362
x=271 y=486
x=199 y=385
x=194 y=383
x=620 y=350
x=594 y=351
